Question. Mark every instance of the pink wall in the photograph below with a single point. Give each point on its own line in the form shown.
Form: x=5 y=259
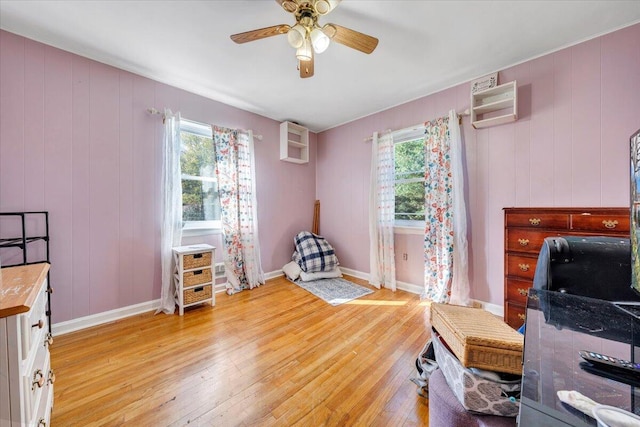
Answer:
x=76 y=140
x=570 y=147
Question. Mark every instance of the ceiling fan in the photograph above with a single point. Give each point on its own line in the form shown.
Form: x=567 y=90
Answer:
x=307 y=36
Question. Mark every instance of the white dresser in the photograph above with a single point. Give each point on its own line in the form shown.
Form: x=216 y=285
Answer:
x=26 y=376
x=194 y=275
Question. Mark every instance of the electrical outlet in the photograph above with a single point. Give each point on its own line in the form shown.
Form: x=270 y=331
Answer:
x=404 y=257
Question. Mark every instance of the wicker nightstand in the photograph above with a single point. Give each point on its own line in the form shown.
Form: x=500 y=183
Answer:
x=194 y=275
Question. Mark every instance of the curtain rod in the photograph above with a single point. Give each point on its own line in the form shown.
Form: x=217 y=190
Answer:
x=154 y=111
x=420 y=125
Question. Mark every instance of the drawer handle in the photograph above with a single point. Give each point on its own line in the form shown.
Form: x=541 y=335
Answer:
x=523 y=242
x=42 y=422
x=48 y=340
x=610 y=223
x=52 y=377
x=40 y=324
x=522 y=292
x=524 y=267
x=534 y=221
x=195 y=273
x=197 y=255
x=520 y=316
x=38 y=379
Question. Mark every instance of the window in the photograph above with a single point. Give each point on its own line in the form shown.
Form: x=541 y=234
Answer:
x=409 y=181
x=200 y=202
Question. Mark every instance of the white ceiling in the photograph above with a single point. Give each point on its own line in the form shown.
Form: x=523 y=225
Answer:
x=425 y=46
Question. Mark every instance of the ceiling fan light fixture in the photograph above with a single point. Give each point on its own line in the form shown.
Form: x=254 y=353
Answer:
x=304 y=52
x=322 y=7
x=296 y=36
x=319 y=40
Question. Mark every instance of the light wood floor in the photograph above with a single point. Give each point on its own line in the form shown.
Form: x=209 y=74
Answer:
x=275 y=355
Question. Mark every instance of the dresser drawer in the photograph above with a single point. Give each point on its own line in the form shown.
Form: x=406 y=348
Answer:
x=530 y=241
x=600 y=223
x=35 y=380
x=514 y=314
x=538 y=220
x=34 y=325
x=521 y=266
x=42 y=417
x=517 y=290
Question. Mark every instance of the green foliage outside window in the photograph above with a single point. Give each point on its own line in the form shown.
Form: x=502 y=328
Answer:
x=409 y=188
x=199 y=187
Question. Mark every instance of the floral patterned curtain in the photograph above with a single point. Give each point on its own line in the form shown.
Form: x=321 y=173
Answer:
x=236 y=188
x=382 y=213
x=445 y=213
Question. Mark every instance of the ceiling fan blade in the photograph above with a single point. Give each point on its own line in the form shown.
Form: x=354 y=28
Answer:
x=306 y=67
x=288 y=5
x=350 y=38
x=262 y=33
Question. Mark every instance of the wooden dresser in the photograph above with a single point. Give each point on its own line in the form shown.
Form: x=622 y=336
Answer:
x=26 y=376
x=524 y=233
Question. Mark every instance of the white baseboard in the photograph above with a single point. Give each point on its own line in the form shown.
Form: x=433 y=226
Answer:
x=73 y=325
x=273 y=274
x=498 y=310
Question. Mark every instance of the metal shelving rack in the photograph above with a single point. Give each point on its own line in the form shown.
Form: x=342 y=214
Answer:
x=22 y=242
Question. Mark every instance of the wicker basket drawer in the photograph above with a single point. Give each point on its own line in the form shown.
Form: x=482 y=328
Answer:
x=478 y=338
x=196 y=277
x=198 y=294
x=197 y=260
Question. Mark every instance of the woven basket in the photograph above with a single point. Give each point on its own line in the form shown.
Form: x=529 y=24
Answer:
x=196 y=260
x=196 y=277
x=194 y=295
x=478 y=338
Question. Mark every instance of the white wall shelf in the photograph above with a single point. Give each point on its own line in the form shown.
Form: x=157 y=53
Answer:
x=294 y=143
x=502 y=100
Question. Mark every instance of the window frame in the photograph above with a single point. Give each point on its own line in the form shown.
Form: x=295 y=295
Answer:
x=198 y=228
x=407 y=226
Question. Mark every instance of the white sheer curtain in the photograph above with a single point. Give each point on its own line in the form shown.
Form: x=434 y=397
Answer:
x=382 y=213
x=445 y=243
x=235 y=170
x=460 y=279
x=171 y=232
x=248 y=203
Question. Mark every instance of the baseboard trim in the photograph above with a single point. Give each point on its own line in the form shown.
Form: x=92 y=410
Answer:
x=73 y=325
x=498 y=310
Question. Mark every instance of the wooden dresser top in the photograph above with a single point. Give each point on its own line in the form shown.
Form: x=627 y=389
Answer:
x=19 y=287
